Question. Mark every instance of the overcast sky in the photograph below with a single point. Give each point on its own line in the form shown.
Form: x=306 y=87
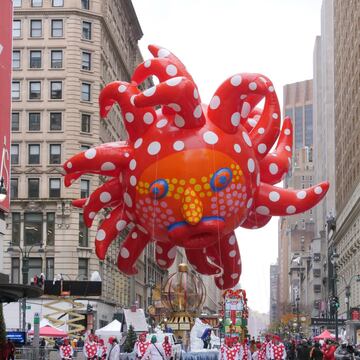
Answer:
x=216 y=39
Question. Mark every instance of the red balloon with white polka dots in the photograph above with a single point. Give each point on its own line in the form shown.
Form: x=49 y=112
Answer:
x=190 y=173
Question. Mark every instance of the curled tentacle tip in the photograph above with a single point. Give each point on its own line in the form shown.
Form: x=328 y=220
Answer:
x=79 y=203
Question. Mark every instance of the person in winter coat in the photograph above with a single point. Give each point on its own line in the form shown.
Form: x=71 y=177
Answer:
x=114 y=351
x=154 y=351
x=303 y=351
x=315 y=352
x=329 y=350
x=206 y=337
x=66 y=350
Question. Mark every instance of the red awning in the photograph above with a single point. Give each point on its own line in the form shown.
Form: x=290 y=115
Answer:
x=325 y=335
x=49 y=331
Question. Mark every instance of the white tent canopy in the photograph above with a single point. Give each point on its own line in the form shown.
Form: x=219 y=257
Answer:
x=111 y=329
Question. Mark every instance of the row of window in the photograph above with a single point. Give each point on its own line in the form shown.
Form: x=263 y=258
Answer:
x=34 y=154
x=33 y=187
x=55 y=122
x=56 y=60
x=34 y=227
x=56 y=29
x=56 y=90
x=85 y=4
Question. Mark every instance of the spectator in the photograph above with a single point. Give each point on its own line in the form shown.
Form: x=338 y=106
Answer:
x=315 y=352
x=329 y=350
x=10 y=350
x=114 y=351
x=206 y=337
x=80 y=343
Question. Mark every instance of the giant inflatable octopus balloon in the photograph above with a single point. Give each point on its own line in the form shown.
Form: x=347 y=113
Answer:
x=190 y=173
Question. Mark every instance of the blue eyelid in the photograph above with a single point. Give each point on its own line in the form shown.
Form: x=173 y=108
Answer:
x=156 y=192
x=222 y=179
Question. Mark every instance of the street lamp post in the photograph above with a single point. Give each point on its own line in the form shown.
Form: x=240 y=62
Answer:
x=334 y=258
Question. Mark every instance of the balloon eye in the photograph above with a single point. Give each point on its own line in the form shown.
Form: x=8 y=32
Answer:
x=221 y=179
x=159 y=189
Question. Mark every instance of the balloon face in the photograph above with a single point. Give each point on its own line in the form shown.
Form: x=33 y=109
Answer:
x=189 y=174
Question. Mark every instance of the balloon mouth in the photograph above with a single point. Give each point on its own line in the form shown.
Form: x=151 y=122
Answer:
x=207 y=232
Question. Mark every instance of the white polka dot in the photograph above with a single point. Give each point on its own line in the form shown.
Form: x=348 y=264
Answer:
x=274 y=196
x=178 y=145
x=154 y=148
x=251 y=165
x=246 y=138
x=261 y=130
x=148 y=118
x=129 y=215
x=105 y=197
x=120 y=225
x=124 y=253
x=249 y=203
x=232 y=240
x=171 y=70
x=172 y=253
x=149 y=92
x=234 y=276
x=245 y=109
x=132 y=164
x=107 y=166
x=161 y=262
x=127 y=199
x=126 y=155
x=122 y=88
x=237 y=148
x=196 y=94
x=129 y=117
x=235 y=118
x=147 y=63
x=210 y=137
x=198 y=112
x=92 y=215
x=160 y=124
x=101 y=235
x=163 y=53
x=232 y=253
x=318 y=190
x=236 y=80
x=134 y=235
x=138 y=143
x=179 y=121
x=287 y=132
x=271 y=88
x=275 y=116
x=262 y=148
x=273 y=168
x=252 y=86
x=132 y=100
x=288 y=148
x=159 y=250
x=252 y=122
x=142 y=229
x=215 y=102
x=175 y=107
x=174 y=81
x=263 y=210
x=242 y=97
x=69 y=165
x=133 y=180
x=90 y=154
x=301 y=194
x=290 y=209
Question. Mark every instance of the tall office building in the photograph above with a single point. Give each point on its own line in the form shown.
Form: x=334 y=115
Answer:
x=63 y=54
x=274 y=283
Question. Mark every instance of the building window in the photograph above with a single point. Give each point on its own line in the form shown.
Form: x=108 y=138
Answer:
x=15 y=90
x=50 y=228
x=33 y=188
x=317 y=289
x=83 y=269
x=14 y=151
x=85 y=123
x=308 y=125
x=15 y=270
x=35 y=28
x=36 y=3
x=14 y=188
x=15 y=121
x=35 y=59
x=55 y=154
x=16 y=56
x=85 y=188
x=85 y=4
x=57 y=28
x=34 y=121
x=33 y=225
x=55 y=121
x=317 y=272
x=84 y=147
x=83 y=232
x=86 y=30
x=57 y=3
x=85 y=92
x=34 y=90
x=17 y=3
x=54 y=188
x=56 y=90
x=34 y=154
x=16 y=228
x=49 y=272
x=86 y=61
x=16 y=30
x=56 y=59
x=35 y=268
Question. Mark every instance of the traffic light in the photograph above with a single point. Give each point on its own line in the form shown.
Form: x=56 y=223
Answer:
x=335 y=302
x=89 y=309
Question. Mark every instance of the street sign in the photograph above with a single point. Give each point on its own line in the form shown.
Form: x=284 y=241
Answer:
x=327 y=322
